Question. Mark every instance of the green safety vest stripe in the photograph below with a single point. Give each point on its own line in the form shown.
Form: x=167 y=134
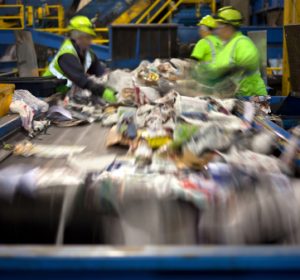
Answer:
x=214 y=45
x=212 y=48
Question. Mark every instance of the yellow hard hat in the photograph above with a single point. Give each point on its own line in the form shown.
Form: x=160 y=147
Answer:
x=229 y=15
x=83 y=24
x=208 y=21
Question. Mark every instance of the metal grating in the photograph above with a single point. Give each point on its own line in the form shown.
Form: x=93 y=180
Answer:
x=144 y=41
x=123 y=42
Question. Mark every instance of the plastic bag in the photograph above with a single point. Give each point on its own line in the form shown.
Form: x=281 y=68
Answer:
x=119 y=79
x=33 y=102
x=59 y=113
x=150 y=93
x=189 y=104
x=25 y=111
x=254 y=162
x=209 y=138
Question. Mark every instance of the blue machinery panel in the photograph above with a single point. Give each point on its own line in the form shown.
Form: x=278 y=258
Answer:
x=207 y=262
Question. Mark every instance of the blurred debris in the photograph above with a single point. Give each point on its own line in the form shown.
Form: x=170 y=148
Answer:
x=28 y=149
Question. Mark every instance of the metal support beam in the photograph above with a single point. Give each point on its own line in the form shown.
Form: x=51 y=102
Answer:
x=173 y=262
x=26 y=55
x=291 y=16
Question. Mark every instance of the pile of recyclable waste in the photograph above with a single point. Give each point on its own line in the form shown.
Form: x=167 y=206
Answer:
x=219 y=158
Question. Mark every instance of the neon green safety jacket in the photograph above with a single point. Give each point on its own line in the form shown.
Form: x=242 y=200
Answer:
x=54 y=69
x=207 y=48
x=240 y=55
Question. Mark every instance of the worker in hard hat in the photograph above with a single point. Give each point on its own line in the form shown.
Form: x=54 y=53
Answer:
x=238 y=58
x=75 y=61
x=207 y=48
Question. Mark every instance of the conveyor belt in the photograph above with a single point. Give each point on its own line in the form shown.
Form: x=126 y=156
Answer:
x=35 y=220
x=92 y=136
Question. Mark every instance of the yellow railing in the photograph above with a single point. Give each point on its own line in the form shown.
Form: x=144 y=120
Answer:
x=29 y=15
x=213 y=4
x=148 y=11
x=100 y=40
x=172 y=7
x=291 y=15
x=60 y=14
x=20 y=20
x=53 y=29
x=170 y=12
x=10 y=25
x=133 y=12
x=44 y=13
x=271 y=69
x=58 y=9
x=165 y=5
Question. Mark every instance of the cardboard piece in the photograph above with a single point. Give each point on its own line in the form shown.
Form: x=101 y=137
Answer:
x=189 y=160
x=116 y=138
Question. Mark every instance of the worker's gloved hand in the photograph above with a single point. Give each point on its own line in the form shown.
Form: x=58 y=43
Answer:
x=109 y=96
x=96 y=89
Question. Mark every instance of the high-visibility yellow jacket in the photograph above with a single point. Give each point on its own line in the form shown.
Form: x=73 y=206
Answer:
x=241 y=56
x=54 y=68
x=207 y=48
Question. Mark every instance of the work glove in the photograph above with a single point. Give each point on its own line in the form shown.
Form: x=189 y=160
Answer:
x=95 y=88
x=109 y=96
